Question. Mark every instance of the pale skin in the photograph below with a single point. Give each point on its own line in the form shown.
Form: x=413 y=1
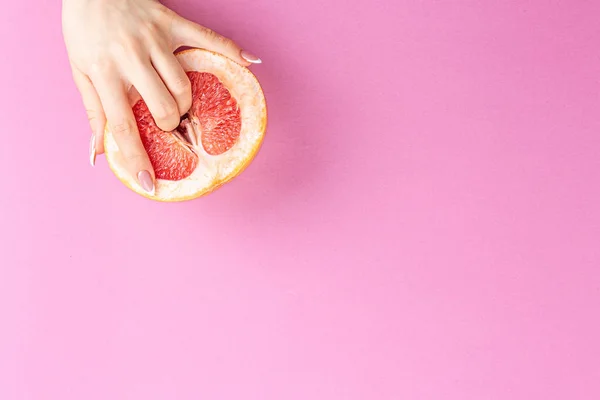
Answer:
x=114 y=45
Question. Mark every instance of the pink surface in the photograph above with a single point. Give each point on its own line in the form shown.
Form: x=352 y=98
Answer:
x=422 y=223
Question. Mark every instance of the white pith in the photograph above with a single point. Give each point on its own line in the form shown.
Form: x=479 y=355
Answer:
x=211 y=170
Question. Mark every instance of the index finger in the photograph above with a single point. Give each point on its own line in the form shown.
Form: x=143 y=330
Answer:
x=123 y=126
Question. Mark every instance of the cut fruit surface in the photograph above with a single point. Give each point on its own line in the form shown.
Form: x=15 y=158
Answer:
x=214 y=141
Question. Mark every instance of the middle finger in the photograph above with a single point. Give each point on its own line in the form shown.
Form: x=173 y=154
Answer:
x=150 y=86
x=174 y=78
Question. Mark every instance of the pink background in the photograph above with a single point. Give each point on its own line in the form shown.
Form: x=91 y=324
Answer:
x=423 y=221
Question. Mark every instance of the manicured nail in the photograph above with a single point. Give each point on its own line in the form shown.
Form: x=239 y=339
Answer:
x=251 y=58
x=146 y=181
x=93 y=150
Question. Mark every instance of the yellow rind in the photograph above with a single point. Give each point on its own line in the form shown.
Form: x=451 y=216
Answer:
x=218 y=183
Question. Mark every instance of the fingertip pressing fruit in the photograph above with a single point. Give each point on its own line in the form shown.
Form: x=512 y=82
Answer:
x=214 y=142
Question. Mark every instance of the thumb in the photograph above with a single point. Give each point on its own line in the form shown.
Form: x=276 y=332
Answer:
x=94 y=110
x=188 y=33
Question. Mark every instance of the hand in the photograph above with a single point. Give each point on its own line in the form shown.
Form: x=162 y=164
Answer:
x=114 y=45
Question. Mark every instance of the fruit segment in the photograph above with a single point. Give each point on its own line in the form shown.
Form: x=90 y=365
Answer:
x=217 y=112
x=213 y=121
x=170 y=158
x=214 y=142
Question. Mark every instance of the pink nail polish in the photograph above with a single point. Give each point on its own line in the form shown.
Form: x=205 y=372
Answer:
x=146 y=181
x=251 y=58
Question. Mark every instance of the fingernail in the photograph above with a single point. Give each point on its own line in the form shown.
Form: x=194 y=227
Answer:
x=93 y=150
x=146 y=181
x=251 y=58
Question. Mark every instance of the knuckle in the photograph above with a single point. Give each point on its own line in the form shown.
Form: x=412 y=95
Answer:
x=210 y=34
x=181 y=86
x=151 y=33
x=165 y=110
x=122 y=128
x=125 y=48
x=99 y=66
x=91 y=116
x=118 y=48
x=151 y=28
x=222 y=40
x=135 y=157
x=163 y=13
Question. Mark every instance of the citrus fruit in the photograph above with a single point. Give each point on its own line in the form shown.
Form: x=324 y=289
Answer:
x=215 y=141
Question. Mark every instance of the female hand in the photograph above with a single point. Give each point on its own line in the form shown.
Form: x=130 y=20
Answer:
x=116 y=44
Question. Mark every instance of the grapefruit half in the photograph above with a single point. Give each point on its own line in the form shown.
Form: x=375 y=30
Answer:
x=215 y=141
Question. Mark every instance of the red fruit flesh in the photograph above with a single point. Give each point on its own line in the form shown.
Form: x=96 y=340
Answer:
x=170 y=159
x=218 y=113
x=215 y=117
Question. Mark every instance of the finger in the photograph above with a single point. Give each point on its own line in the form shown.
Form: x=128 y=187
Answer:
x=160 y=101
x=123 y=126
x=94 y=110
x=188 y=33
x=175 y=79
